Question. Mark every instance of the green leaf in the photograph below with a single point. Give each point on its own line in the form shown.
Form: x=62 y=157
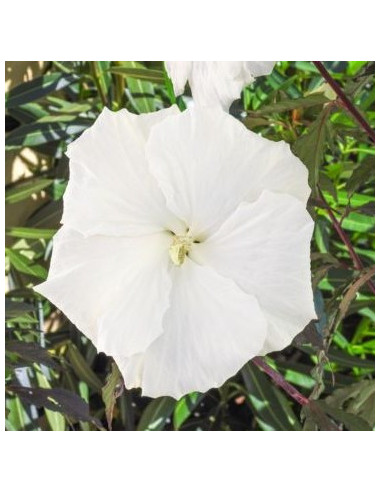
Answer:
x=24 y=318
x=51 y=129
x=351 y=421
x=155 y=415
x=22 y=264
x=38 y=88
x=310 y=147
x=82 y=368
x=342 y=358
x=55 y=419
x=47 y=216
x=271 y=409
x=290 y=104
x=357 y=399
x=139 y=73
x=349 y=295
x=316 y=418
x=184 y=408
x=361 y=175
x=57 y=400
x=30 y=233
x=141 y=92
x=281 y=82
x=111 y=391
x=306 y=66
x=62 y=106
x=358 y=222
x=17 y=418
x=104 y=76
x=31 y=352
x=17 y=192
x=16 y=308
x=27 y=113
x=357 y=199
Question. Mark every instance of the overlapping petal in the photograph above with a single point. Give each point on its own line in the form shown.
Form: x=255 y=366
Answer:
x=265 y=248
x=216 y=83
x=245 y=287
x=110 y=190
x=210 y=330
x=207 y=162
x=115 y=290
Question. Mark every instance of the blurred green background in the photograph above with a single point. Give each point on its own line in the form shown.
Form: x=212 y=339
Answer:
x=55 y=380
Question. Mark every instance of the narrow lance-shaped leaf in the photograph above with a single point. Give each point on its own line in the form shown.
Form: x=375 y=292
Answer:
x=351 y=293
x=56 y=399
x=290 y=104
x=316 y=419
x=55 y=419
x=139 y=73
x=352 y=422
x=16 y=308
x=361 y=175
x=272 y=412
x=29 y=112
x=155 y=415
x=82 y=368
x=185 y=407
x=31 y=352
x=311 y=146
x=38 y=88
x=30 y=233
x=22 y=264
x=357 y=399
x=141 y=92
x=111 y=391
x=45 y=131
x=21 y=191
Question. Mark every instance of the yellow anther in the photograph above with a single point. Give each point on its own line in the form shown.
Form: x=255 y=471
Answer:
x=179 y=249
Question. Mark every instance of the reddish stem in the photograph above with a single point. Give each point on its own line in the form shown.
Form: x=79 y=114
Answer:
x=347 y=103
x=344 y=237
x=280 y=381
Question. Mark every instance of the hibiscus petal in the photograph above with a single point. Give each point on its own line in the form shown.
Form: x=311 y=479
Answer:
x=216 y=83
x=210 y=330
x=259 y=68
x=109 y=179
x=131 y=369
x=207 y=162
x=179 y=72
x=265 y=248
x=115 y=290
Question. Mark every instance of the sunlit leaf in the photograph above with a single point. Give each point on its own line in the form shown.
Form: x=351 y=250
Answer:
x=184 y=408
x=38 y=88
x=22 y=264
x=40 y=133
x=30 y=232
x=21 y=191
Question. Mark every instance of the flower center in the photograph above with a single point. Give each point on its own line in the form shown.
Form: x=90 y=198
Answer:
x=179 y=248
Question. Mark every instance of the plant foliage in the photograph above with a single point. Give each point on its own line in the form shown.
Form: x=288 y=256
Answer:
x=56 y=381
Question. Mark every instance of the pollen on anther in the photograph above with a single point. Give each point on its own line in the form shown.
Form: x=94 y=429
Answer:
x=179 y=249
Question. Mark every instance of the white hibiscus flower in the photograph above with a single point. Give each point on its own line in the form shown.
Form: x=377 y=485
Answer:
x=215 y=83
x=185 y=246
